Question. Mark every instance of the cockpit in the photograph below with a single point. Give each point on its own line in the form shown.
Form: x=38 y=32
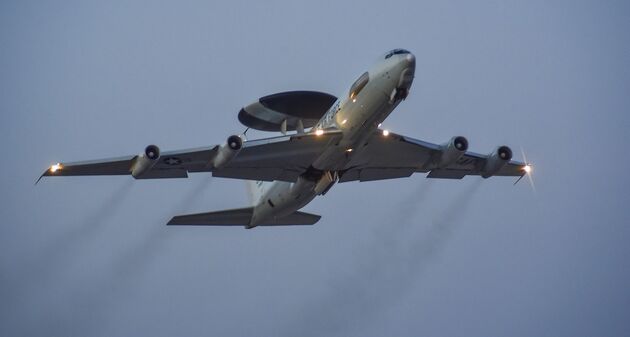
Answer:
x=396 y=52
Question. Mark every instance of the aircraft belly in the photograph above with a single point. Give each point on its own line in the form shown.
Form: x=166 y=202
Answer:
x=360 y=124
x=284 y=199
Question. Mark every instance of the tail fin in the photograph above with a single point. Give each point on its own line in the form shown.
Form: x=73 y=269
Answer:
x=241 y=217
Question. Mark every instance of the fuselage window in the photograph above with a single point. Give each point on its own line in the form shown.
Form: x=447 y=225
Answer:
x=359 y=84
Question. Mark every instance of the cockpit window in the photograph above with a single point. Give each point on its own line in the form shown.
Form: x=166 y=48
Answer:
x=396 y=52
x=359 y=84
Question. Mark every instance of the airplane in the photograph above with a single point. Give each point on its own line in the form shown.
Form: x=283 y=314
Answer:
x=343 y=143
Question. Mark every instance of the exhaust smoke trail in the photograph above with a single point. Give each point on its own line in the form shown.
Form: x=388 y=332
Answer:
x=38 y=277
x=55 y=254
x=139 y=256
x=389 y=265
x=126 y=268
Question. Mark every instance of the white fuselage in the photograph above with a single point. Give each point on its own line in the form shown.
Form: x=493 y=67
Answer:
x=357 y=114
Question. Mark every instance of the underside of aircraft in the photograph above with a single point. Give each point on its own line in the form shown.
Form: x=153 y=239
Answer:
x=322 y=140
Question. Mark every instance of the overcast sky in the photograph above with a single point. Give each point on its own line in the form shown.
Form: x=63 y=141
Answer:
x=92 y=257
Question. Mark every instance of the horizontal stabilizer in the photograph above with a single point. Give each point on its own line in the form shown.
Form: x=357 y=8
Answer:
x=240 y=217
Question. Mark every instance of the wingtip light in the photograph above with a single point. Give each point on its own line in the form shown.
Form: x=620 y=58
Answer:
x=56 y=167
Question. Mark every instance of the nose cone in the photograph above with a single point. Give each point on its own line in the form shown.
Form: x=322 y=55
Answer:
x=397 y=68
x=410 y=59
x=408 y=70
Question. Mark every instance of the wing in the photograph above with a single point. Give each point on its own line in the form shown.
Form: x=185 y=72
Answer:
x=277 y=158
x=397 y=156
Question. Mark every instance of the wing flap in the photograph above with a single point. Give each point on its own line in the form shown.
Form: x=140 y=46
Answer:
x=376 y=173
x=162 y=174
x=447 y=174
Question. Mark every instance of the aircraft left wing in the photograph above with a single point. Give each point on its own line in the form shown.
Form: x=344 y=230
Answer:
x=276 y=158
x=388 y=155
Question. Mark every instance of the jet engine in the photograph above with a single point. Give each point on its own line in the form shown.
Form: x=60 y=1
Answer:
x=145 y=161
x=228 y=151
x=497 y=159
x=453 y=150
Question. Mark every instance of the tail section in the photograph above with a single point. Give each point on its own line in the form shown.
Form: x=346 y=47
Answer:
x=240 y=217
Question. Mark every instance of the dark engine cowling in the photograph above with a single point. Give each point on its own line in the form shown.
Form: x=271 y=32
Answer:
x=145 y=161
x=228 y=151
x=152 y=152
x=453 y=150
x=497 y=159
x=235 y=142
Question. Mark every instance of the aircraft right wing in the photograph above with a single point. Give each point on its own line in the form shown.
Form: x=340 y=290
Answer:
x=389 y=155
x=276 y=158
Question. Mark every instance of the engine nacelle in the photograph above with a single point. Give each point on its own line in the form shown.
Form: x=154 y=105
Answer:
x=453 y=150
x=228 y=151
x=497 y=159
x=145 y=161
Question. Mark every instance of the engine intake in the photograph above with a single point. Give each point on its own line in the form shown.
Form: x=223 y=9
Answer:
x=145 y=161
x=152 y=152
x=453 y=150
x=235 y=142
x=227 y=151
x=499 y=158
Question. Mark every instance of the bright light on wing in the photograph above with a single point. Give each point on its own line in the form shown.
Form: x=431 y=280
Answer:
x=55 y=168
x=319 y=132
x=385 y=133
x=528 y=171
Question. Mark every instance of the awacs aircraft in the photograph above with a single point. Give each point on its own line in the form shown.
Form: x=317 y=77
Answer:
x=324 y=140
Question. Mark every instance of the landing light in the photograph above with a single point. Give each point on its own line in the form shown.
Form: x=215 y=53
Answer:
x=349 y=150
x=385 y=133
x=55 y=168
x=319 y=132
x=354 y=100
x=344 y=121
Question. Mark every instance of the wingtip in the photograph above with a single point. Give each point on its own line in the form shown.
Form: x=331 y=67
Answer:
x=519 y=179
x=50 y=171
x=40 y=177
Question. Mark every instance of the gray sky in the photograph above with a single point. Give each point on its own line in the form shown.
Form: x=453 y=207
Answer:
x=409 y=257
